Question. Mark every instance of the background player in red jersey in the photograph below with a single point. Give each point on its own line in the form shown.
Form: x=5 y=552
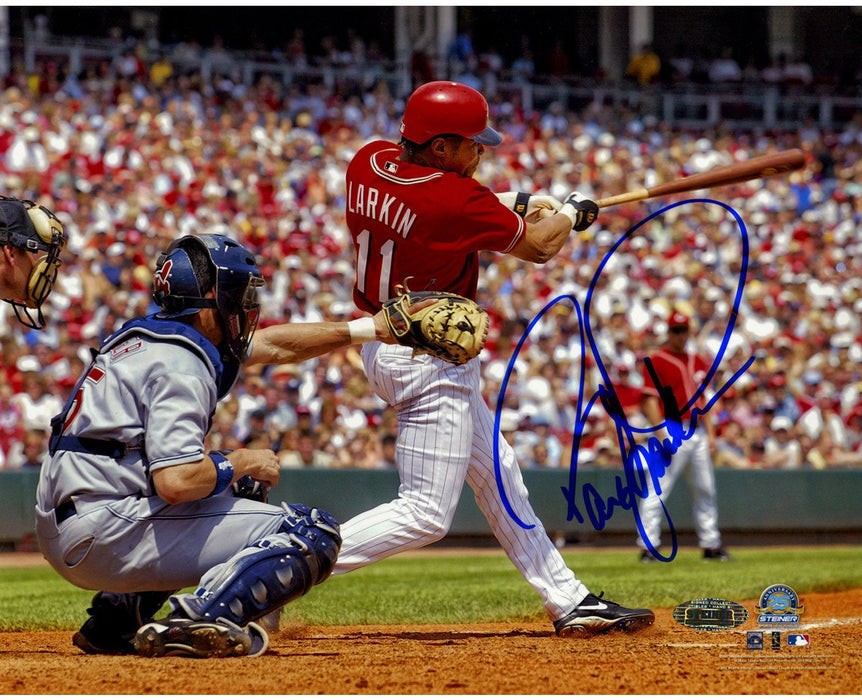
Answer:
x=682 y=373
x=417 y=214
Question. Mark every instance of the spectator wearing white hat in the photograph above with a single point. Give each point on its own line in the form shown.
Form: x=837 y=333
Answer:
x=26 y=153
x=38 y=403
x=782 y=449
x=823 y=417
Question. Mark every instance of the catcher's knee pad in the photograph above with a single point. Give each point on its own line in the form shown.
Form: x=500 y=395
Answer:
x=316 y=533
x=269 y=573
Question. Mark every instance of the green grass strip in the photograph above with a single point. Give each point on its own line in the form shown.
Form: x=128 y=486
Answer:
x=439 y=587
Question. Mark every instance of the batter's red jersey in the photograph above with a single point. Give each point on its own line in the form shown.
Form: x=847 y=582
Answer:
x=414 y=221
x=682 y=372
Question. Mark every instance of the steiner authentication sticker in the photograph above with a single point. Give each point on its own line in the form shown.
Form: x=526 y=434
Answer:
x=710 y=614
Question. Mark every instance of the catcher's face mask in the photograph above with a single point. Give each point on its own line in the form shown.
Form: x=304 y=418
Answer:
x=239 y=308
x=35 y=229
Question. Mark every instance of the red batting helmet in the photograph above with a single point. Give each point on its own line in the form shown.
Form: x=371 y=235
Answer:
x=444 y=107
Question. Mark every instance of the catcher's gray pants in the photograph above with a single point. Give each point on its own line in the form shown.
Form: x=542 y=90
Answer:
x=144 y=544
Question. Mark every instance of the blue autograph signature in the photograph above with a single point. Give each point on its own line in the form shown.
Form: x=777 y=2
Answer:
x=643 y=465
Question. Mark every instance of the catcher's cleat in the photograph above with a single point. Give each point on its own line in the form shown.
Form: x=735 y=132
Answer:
x=198 y=639
x=595 y=615
x=114 y=619
x=94 y=639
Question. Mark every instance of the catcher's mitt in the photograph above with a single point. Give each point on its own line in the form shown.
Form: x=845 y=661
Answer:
x=441 y=324
x=252 y=489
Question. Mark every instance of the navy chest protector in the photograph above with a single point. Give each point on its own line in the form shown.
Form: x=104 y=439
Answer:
x=182 y=334
x=226 y=373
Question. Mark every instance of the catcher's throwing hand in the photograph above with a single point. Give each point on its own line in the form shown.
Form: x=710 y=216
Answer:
x=260 y=464
x=441 y=324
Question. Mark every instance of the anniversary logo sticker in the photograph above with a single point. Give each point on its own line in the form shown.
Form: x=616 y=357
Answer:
x=779 y=605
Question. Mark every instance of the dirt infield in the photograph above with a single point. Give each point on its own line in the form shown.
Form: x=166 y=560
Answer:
x=493 y=659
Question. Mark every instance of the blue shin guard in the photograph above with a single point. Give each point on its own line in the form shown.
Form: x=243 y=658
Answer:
x=269 y=573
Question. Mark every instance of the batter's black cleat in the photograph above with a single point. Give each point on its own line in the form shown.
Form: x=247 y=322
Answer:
x=716 y=554
x=595 y=615
x=200 y=639
x=646 y=557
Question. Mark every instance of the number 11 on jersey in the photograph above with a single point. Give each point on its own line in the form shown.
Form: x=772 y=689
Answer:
x=364 y=275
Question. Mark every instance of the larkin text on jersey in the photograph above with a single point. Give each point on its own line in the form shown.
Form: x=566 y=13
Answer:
x=371 y=202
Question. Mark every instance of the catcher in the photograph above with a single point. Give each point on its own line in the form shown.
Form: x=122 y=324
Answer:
x=129 y=502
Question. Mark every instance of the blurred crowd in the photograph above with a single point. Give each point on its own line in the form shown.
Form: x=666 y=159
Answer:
x=135 y=152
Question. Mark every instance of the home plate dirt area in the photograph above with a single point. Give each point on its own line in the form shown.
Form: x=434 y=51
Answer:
x=500 y=658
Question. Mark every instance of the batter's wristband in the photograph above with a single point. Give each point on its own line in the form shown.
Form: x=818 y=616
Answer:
x=522 y=199
x=569 y=211
x=362 y=330
x=224 y=472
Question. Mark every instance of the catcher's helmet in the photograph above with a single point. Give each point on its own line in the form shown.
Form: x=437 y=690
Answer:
x=444 y=107
x=30 y=227
x=180 y=288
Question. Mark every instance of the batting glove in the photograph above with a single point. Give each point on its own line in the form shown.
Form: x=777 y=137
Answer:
x=580 y=210
x=531 y=207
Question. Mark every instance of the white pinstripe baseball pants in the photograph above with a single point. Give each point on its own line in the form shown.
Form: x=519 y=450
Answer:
x=693 y=458
x=445 y=437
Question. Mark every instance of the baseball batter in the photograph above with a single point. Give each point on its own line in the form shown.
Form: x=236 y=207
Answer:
x=128 y=501
x=417 y=216
x=683 y=374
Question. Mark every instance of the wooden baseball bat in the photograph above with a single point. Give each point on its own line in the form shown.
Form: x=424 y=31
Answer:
x=752 y=169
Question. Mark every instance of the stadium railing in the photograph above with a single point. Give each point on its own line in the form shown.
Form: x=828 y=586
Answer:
x=687 y=105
